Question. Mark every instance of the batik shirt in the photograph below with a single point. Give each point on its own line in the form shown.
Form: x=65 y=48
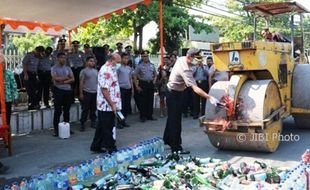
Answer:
x=107 y=78
x=10 y=86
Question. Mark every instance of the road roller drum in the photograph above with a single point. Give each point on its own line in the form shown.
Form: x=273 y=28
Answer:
x=301 y=94
x=258 y=100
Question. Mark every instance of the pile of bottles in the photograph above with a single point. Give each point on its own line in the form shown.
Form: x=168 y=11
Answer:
x=298 y=177
x=191 y=173
x=92 y=170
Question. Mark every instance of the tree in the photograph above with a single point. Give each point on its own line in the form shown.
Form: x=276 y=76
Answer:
x=176 y=22
x=30 y=41
x=239 y=27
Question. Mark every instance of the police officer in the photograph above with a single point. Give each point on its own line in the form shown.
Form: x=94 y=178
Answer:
x=62 y=76
x=61 y=47
x=119 y=48
x=200 y=72
x=180 y=78
x=88 y=52
x=145 y=72
x=45 y=78
x=76 y=61
x=30 y=71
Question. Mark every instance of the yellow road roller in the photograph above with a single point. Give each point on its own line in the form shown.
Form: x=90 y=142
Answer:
x=266 y=85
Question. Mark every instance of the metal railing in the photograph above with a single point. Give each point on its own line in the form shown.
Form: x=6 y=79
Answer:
x=13 y=59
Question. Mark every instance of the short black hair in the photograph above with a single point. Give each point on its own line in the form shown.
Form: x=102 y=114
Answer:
x=209 y=58
x=60 y=54
x=49 y=49
x=124 y=54
x=89 y=57
x=40 y=49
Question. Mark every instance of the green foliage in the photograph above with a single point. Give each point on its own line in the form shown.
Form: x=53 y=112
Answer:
x=120 y=27
x=176 y=22
x=28 y=42
x=238 y=28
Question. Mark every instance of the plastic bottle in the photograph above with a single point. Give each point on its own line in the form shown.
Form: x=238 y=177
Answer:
x=72 y=176
x=96 y=167
x=23 y=184
x=64 y=179
x=7 y=187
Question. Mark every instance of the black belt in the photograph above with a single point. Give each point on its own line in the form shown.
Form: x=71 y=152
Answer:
x=32 y=72
x=146 y=81
x=44 y=71
x=175 y=91
x=201 y=81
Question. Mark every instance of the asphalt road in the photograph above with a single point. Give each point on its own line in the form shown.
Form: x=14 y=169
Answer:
x=40 y=152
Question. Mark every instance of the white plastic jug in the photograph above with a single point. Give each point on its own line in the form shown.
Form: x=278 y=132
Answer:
x=64 y=130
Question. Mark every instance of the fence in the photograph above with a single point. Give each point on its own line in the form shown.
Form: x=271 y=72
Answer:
x=13 y=59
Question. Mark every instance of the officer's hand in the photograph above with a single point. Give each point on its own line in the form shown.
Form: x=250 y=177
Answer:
x=26 y=77
x=214 y=101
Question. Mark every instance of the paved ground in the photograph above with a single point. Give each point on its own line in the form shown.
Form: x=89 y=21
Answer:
x=39 y=152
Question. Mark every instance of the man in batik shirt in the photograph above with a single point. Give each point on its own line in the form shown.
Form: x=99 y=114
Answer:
x=108 y=103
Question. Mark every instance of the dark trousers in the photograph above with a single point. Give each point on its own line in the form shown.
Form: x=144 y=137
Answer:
x=76 y=83
x=45 y=81
x=187 y=100
x=126 y=101
x=147 y=99
x=62 y=103
x=137 y=98
x=89 y=106
x=8 y=109
x=104 y=131
x=172 y=134
x=32 y=89
x=199 y=103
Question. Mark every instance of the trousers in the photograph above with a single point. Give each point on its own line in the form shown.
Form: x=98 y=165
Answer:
x=172 y=133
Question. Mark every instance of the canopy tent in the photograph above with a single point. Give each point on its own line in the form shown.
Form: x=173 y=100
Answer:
x=58 y=15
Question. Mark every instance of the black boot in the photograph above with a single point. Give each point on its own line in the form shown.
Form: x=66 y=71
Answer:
x=93 y=124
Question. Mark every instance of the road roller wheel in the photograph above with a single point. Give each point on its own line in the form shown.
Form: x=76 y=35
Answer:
x=302 y=121
x=259 y=99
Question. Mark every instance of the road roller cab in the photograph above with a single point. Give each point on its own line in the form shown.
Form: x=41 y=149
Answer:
x=266 y=86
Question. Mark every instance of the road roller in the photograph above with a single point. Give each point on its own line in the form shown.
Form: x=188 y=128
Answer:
x=266 y=85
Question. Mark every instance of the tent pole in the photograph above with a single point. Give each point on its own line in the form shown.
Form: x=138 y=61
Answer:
x=69 y=37
x=2 y=93
x=161 y=32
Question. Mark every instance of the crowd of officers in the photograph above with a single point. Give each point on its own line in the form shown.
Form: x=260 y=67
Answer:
x=71 y=75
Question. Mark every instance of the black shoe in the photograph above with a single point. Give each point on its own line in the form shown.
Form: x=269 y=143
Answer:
x=71 y=132
x=31 y=108
x=112 y=150
x=152 y=119
x=99 y=151
x=119 y=127
x=55 y=135
x=125 y=124
x=195 y=117
x=4 y=169
x=37 y=107
x=47 y=106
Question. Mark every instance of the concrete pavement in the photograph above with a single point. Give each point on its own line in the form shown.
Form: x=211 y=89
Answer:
x=40 y=152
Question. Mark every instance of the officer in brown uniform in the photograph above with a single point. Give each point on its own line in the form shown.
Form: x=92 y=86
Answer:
x=30 y=71
x=181 y=77
x=144 y=78
x=76 y=60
